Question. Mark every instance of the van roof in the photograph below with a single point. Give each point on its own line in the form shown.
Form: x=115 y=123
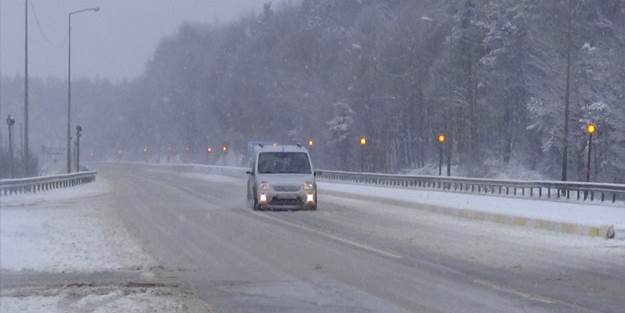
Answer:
x=282 y=148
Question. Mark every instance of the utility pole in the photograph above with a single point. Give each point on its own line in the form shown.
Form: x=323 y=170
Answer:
x=450 y=128
x=26 y=152
x=1 y=138
x=565 y=136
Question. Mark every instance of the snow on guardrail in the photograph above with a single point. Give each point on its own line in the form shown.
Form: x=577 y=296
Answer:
x=580 y=191
x=42 y=183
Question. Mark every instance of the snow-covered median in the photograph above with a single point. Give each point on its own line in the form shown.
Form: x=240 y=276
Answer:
x=73 y=194
x=563 y=214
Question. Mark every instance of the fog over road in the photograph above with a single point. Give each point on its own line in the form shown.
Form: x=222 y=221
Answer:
x=353 y=256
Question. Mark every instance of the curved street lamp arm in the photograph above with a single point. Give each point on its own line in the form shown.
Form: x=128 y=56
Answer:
x=96 y=9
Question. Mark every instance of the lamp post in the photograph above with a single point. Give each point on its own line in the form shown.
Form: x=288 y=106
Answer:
x=145 y=153
x=10 y=123
x=441 y=140
x=363 y=141
x=78 y=135
x=450 y=92
x=591 y=128
x=26 y=125
x=208 y=155
x=69 y=83
x=311 y=145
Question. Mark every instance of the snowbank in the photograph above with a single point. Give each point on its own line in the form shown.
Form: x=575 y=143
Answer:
x=565 y=212
x=48 y=238
x=100 y=300
x=61 y=231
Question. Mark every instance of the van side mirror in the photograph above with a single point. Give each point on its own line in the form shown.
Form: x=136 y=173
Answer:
x=248 y=172
x=317 y=173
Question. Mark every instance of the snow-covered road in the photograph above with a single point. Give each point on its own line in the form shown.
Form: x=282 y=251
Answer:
x=356 y=255
x=154 y=239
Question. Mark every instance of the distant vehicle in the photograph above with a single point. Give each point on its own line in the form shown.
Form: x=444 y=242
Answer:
x=282 y=177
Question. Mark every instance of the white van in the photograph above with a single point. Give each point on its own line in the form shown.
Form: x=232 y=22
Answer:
x=282 y=177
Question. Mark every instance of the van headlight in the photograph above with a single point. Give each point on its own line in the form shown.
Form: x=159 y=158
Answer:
x=309 y=186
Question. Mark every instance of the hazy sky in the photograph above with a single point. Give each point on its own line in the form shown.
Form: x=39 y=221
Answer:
x=114 y=43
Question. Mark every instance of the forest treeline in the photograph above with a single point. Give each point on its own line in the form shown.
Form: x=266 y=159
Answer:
x=490 y=74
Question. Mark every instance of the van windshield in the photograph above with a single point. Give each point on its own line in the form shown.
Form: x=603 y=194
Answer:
x=283 y=163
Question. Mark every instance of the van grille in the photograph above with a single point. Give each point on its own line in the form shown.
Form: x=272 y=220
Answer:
x=277 y=201
x=286 y=188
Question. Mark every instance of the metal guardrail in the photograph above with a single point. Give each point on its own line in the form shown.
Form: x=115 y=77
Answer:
x=42 y=183
x=579 y=191
x=555 y=190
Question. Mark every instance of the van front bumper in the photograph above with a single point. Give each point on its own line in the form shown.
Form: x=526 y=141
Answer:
x=287 y=200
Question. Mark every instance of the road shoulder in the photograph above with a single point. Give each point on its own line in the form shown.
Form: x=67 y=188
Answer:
x=63 y=251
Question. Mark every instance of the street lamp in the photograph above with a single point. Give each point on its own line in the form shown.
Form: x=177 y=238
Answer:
x=78 y=134
x=208 y=155
x=441 y=140
x=591 y=129
x=145 y=153
x=69 y=82
x=450 y=92
x=10 y=123
x=224 y=148
x=311 y=143
x=363 y=142
x=26 y=90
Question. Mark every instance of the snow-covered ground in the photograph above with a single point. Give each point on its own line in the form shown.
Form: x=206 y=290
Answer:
x=70 y=231
x=212 y=178
x=493 y=169
x=99 y=300
x=565 y=212
x=55 y=196
x=60 y=231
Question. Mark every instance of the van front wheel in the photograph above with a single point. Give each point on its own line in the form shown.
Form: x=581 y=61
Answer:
x=255 y=205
